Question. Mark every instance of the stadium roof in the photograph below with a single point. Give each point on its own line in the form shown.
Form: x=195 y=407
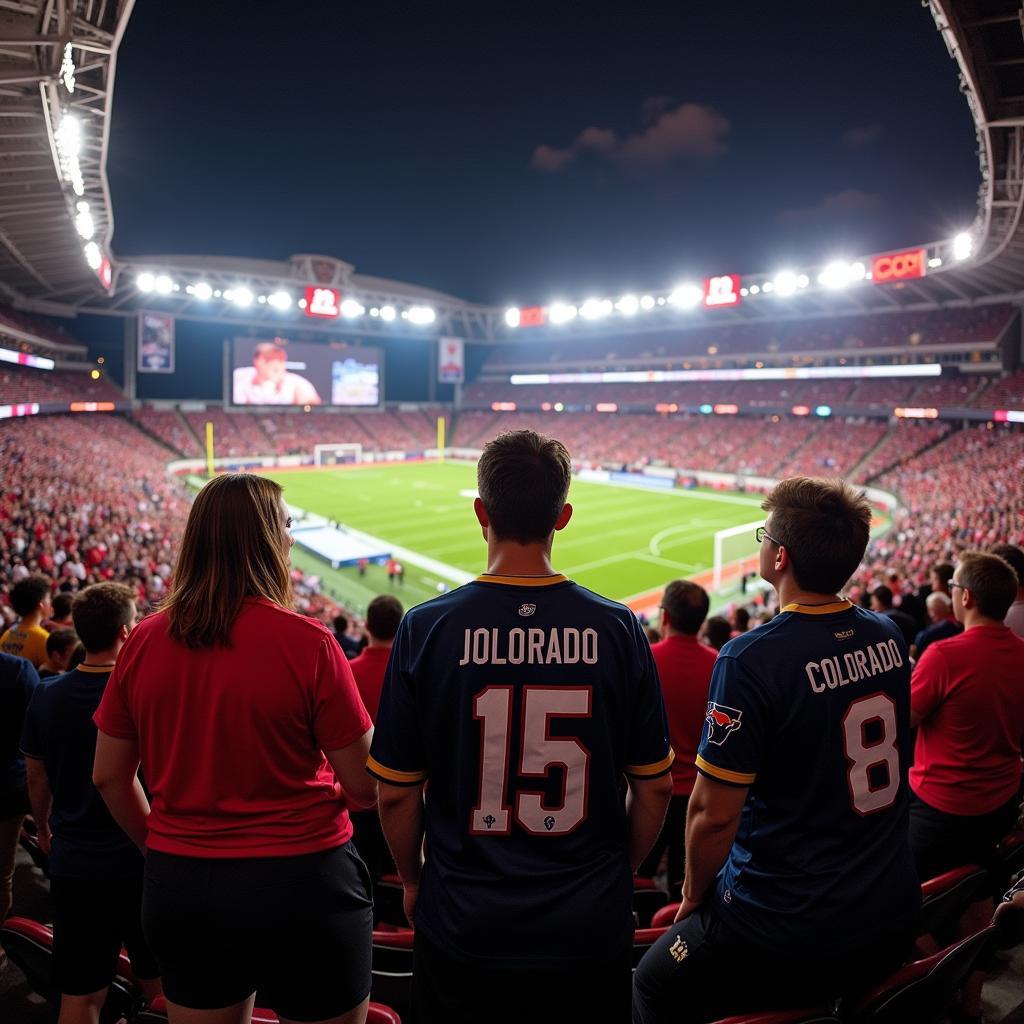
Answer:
x=57 y=62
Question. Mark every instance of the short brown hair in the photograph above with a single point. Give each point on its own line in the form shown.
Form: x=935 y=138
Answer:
x=233 y=547
x=991 y=581
x=1014 y=555
x=687 y=604
x=383 y=617
x=523 y=480
x=60 y=640
x=944 y=570
x=824 y=526
x=28 y=594
x=99 y=612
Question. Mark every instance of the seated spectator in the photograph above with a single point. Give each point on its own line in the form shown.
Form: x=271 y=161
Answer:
x=60 y=649
x=231 y=700
x=30 y=598
x=881 y=602
x=684 y=668
x=1015 y=556
x=943 y=623
x=348 y=644
x=18 y=682
x=716 y=632
x=61 y=615
x=95 y=869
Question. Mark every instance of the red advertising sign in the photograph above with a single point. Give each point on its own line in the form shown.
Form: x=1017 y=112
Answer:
x=723 y=290
x=323 y=302
x=899 y=266
x=533 y=316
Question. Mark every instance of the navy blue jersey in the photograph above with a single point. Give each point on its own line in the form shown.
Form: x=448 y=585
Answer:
x=59 y=731
x=18 y=681
x=522 y=702
x=812 y=712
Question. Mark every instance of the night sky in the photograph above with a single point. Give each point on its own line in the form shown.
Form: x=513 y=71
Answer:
x=512 y=153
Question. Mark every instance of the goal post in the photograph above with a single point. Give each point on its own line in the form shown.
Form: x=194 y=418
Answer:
x=337 y=454
x=735 y=552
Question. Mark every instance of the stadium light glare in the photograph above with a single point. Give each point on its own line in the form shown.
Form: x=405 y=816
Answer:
x=351 y=308
x=93 y=256
x=421 y=315
x=388 y=313
x=280 y=300
x=595 y=309
x=839 y=273
x=83 y=220
x=647 y=302
x=145 y=282
x=935 y=261
x=686 y=296
x=202 y=291
x=768 y=287
x=755 y=289
x=561 y=313
x=512 y=317
x=163 y=284
x=628 y=305
x=803 y=281
x=785 y=283
x=240 y=297
x=963 y=246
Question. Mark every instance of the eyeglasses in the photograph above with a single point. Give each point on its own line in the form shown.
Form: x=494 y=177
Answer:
x=960 y=586
x=760 y=533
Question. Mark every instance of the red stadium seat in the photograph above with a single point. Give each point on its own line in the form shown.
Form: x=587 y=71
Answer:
x=647 y=900
x=923 y=991
x=945 y=898
x=1010 y=854
x=157 y=1014
x=665 y=915
x=391 y=968
x=818 y=1016
x=643 y=939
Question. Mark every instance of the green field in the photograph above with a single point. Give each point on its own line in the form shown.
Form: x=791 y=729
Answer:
x=622 y=542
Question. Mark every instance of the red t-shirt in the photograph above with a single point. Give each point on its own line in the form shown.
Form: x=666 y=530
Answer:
x=369 y=669
x=231 y=739
x=969 y=692
x=684 y=668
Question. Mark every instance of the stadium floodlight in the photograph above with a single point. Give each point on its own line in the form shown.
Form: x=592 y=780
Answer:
x=935 y=261
x=512 y=317
x=835 y=275
x=83 y=220
x=421 y=315
x=628 y=305
x=240 y=296
x=803 y=281
x=93 y=256
x=279 y=300
x=755 y=289
x=351 y=308
x=963 y=246
x=785 y=283
x=561 y=312
x=163 y=284
x=145 y=281
x=201 y=290
x=647 y=302
x=686 y=296
x=388 y=313
x=594 y=309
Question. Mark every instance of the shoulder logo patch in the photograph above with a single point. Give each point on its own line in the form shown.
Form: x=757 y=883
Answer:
x=722 y=722
x=526 y=610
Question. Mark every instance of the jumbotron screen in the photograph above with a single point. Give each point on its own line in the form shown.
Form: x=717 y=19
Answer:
x=280 y=372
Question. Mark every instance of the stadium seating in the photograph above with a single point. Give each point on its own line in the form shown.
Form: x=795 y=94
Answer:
x=945 y=898
x=391 y=968
x=168 y=426
x=157 y=1014
x=819 y=1016
x=20 y=385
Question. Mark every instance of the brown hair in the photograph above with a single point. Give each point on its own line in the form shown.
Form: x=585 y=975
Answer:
x=60 y=640
x=100 y=611
x=523 y=480
x=1014 y=555
x=234 y=546
x=383 y=617
x=687 y=605
x=991 y=581
x=824 y=526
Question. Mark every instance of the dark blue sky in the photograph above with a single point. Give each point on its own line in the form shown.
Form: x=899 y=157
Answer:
x=734 y=136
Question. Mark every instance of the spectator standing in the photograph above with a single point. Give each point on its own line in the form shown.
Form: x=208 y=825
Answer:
x=231 y=700
x=798 y=866
x=943 y=623
x=939 y=576
x=18 y=682
x=523 y=700
x=347 y=643
x=60 y=649
x=716 y=632
x=60 y=617
x=1015 y=556
x=684 y=668
x=95 y=869
x=881 y=602
x=30 y=598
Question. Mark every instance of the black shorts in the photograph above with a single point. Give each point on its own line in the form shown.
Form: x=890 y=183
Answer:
x=92 y=919
x=297 y=930
x=941 y=842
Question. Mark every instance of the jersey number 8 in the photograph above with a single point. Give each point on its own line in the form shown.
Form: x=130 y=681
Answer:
x=863 y=756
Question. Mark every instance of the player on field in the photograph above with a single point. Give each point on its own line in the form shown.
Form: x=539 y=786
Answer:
x=526 y=705
x=799 y=879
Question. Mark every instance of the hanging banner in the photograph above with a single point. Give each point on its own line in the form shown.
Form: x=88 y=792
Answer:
x=451 y=360
x=156 y=343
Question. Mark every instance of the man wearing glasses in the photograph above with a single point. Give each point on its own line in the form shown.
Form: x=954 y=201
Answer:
x=799 y=882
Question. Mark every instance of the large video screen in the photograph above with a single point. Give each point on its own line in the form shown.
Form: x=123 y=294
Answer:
x=277 y=371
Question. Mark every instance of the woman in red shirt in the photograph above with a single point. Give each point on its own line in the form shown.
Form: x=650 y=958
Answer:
x=231 y=700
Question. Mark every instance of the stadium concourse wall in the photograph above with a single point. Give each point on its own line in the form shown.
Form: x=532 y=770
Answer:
x=664 y=478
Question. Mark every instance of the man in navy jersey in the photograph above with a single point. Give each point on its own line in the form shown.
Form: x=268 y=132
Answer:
x=799 y=882
x=527 y=706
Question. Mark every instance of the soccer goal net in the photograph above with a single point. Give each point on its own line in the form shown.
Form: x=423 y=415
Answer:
x=735 y=553
x=337 y=454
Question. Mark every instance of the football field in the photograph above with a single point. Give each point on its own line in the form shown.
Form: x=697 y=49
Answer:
x=623 y=542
